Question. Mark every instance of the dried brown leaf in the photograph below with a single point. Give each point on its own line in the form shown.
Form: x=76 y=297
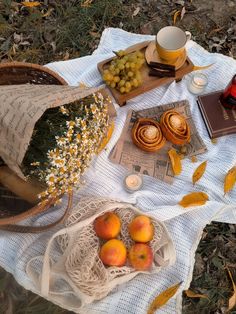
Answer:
x=163 y=298
x=181 y=2
x=183 y=11
x=30 y=4
x=86 y=3
x=95 y=34
x=230 y=180
x=175 y=160
x=194 y=199
x=48 y=13
x=232 y=300
x=192 y=294
x=136 y=12
x=17 y=38
x=53 y=45
x=66 y=56
x=198 y=173
x=177 y=13
x=193 y=159
x=215 y=30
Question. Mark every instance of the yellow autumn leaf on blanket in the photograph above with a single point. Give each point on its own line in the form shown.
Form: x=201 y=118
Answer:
x=232 y=300
x=194 y=199
x=163 y=298
x=192 y=294
x=230 y=180
x=198 y=173
x=31 y=4
x=107 y=138
x=175 y=160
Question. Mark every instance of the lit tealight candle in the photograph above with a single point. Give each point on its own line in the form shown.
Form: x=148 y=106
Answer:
x=133 y=182
x=198 y=83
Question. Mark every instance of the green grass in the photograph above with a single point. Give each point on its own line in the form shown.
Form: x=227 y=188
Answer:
x=69 y=27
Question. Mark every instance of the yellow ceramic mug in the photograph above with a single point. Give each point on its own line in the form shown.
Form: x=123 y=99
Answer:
x=170 y=42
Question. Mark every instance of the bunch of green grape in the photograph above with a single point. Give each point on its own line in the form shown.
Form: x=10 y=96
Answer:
x=123 y=72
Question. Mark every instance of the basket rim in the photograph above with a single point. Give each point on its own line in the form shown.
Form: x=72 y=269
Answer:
x=41 y=68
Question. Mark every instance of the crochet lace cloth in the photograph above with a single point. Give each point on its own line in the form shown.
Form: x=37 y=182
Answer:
x=78 y=266
x=156 y=198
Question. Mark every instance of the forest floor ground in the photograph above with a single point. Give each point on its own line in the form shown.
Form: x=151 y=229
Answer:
x=62 y=30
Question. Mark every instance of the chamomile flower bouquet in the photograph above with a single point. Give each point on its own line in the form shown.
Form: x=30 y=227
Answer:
x=63 y=143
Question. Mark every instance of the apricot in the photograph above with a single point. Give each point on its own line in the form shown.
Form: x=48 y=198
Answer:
x=107 y=226
x=141 y=256
x=113 y=253
x=141 y=229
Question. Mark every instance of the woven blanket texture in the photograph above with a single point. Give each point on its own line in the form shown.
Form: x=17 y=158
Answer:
x=105 y=179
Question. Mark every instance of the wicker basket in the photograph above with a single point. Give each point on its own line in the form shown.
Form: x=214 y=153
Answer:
x=16 y=73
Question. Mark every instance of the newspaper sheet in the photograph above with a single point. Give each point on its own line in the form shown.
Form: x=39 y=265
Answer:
x=155 y=164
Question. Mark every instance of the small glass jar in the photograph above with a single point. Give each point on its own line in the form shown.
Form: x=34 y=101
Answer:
x=133 y=182
x=198 y=83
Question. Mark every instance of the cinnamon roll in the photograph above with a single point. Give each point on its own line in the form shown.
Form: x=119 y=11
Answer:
x=147 y=135
x=175 y=127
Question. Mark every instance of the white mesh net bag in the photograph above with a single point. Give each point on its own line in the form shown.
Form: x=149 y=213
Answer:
x=71 y=269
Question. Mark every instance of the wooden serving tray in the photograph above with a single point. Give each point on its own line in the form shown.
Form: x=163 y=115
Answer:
x=149 y=82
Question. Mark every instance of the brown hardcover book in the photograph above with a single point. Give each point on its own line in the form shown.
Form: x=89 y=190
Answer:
x=219 y=120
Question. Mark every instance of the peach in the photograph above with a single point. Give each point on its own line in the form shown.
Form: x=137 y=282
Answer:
x=113 y=253
x=141 y=256
x=141 y=229
x=107 y=226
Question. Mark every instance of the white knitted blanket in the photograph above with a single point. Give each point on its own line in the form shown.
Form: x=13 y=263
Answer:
x=105 y=179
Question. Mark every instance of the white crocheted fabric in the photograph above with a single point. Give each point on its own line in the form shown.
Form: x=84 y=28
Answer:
x=156 y=197
x=75 y=262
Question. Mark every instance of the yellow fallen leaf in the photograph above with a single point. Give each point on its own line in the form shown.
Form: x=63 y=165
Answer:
x=230 y=180
x=203 y=67
x=183 y=150
x=198 y=173
x=86 y=3
x=175 y=160
x=214 y=140
x=163 y=298
x=82 y=85
x=194 y=199
x=30 y=4
x=192 y=294
x=232 y=300
x=107 y=138
x=177 y=13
